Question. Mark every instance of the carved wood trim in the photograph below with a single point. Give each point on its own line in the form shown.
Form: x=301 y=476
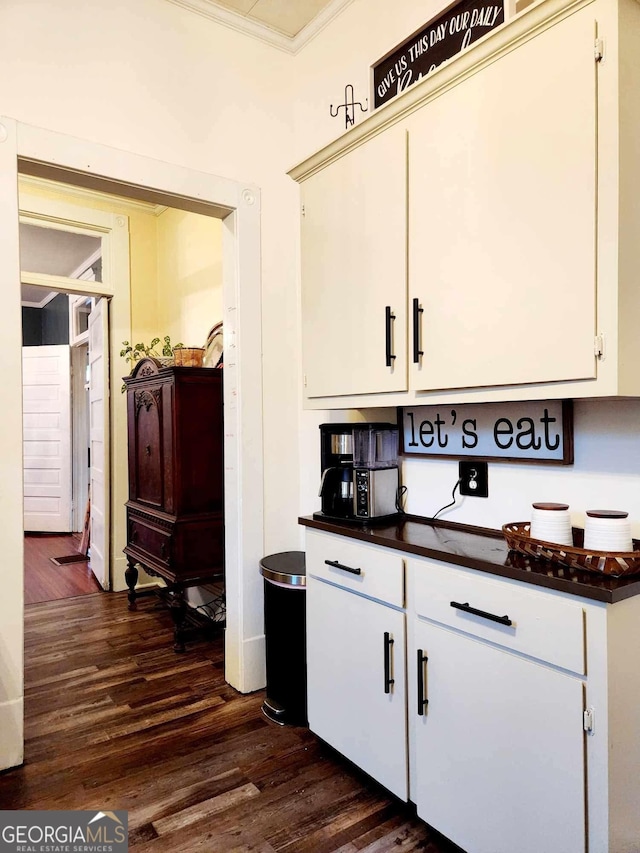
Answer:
x=138 y=515
x=147 y=398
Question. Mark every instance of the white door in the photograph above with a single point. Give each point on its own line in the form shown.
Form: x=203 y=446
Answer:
x=354 y=646
x=99 y=440
x=46 y=413
x=499 y=748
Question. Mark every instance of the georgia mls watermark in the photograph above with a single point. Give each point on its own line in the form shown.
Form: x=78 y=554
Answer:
x=63 y=832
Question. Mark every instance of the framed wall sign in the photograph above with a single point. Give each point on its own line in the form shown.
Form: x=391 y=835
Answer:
x=538 y=431
x=437 y=41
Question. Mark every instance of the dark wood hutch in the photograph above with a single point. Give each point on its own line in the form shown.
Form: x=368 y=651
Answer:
x=175 y=511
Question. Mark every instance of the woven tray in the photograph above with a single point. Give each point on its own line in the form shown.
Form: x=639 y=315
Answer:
x=604 y=562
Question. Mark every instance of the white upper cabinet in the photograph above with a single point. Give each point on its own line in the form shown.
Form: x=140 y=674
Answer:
x=502 y=218
x=507 y=246
x=354 y=271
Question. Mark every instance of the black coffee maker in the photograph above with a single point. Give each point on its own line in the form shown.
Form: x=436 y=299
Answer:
x=358 y=459
x=336 y=462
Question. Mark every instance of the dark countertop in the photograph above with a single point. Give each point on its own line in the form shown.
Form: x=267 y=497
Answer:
x=483 y=549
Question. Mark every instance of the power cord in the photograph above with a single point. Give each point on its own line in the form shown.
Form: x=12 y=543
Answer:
x=453 y=495
x=402 y=491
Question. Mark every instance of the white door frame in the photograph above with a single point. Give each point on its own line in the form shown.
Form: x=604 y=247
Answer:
x=61 y=157
x=101 y=406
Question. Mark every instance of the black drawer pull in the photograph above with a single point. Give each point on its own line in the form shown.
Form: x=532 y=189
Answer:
x=147 y=450
x=503 y=620
x=417 y=311
x=388 y=681
x=422 y=701
x=389 y=317
x=338 y=565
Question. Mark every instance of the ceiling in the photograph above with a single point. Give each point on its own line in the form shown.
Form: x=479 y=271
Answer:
x=285 y=24
x=286 y=16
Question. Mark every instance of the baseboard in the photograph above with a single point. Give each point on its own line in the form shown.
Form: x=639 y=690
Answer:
x=11 y=734
x=246 y=671
x=118 y=567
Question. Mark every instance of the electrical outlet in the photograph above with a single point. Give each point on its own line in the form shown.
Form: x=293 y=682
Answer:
x=474 y=479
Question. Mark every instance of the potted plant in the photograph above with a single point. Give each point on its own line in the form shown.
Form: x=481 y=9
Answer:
x=132 y=353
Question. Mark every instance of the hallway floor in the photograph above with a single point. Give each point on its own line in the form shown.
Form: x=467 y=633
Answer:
x=116 y=720
x=43 y=580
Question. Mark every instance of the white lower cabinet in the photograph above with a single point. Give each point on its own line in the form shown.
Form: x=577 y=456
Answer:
x=499 y=747
x=356 y=671
x=352 y=703
x=516 y=716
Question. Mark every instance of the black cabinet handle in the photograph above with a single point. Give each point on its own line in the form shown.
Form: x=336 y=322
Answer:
x=417 y=311
x=389 y=318
x=147 y=450
x=388 y=681
x=422 y=702
x=338 y=565
x=503 y=620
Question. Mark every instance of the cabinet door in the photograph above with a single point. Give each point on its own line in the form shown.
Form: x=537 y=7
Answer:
x=502 y=218
x=147 y=469
x=499 y=761
x=347 y=641
x=354 y=271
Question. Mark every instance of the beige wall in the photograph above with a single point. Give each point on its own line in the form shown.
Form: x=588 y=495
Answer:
x=189 y=292
x=143 y=249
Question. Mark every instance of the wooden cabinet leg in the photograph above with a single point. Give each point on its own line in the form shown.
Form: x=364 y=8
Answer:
x=178 y=610
x=131 y=579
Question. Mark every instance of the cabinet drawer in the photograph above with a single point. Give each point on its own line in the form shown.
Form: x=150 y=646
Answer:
x=376 y=572
x=542 y=625
x=153 y=541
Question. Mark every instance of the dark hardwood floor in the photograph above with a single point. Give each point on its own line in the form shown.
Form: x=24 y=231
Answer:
x=116 y=720
x=43 y=580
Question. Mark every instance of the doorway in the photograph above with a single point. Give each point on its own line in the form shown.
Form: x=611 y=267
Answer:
x=175 y=281
x=61 y=383
x=72 y=260
x=46 y=154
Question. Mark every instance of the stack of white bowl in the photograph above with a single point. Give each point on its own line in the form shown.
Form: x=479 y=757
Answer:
x=551 y=522
x=607 y=530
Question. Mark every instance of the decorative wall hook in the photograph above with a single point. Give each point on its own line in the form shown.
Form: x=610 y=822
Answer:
x=349 y=107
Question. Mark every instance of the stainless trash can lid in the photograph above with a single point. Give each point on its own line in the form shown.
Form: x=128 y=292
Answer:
x=287 y=567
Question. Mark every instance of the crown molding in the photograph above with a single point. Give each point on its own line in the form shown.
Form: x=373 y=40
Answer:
x=262 y=32
x=321 y=20
x=46 y=299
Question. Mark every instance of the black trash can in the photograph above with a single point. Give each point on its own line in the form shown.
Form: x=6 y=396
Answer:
x=285 y=621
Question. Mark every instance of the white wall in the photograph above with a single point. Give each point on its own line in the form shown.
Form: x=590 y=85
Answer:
x=605 y=474
x=154 y=80
x=159 y=81
x=343 y=53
